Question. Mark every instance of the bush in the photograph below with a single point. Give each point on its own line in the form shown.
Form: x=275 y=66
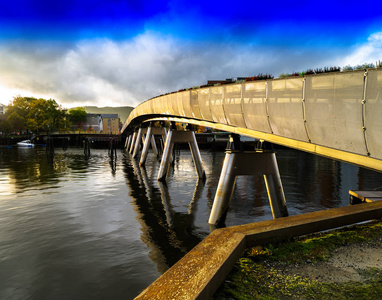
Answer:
x=347 y=68
x=364 y=66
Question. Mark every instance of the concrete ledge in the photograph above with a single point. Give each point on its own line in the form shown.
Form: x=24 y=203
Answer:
x=201 y=271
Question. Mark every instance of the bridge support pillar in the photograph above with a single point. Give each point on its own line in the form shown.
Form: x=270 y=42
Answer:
x=151 y=132
x=133 y=142
x=128 y=141
x=248 y=163
x=173 y=137
x=138 y=141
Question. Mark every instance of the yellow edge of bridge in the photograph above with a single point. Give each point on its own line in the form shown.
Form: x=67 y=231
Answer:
x=360 y=160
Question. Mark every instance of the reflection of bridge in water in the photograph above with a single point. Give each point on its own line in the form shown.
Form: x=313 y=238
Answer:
x=336 y=115
x=170 y=234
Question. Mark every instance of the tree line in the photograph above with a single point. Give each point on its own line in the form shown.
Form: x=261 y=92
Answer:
x=32 y=115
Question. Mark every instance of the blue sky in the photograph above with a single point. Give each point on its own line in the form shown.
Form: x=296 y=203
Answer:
x=124 y=52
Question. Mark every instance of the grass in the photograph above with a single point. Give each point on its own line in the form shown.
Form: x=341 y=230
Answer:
x=258 y=273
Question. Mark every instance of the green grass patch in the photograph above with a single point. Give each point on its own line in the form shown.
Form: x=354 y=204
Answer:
x=256 y=274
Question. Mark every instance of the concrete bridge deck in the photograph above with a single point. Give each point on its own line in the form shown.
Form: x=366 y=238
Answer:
x=336 y=115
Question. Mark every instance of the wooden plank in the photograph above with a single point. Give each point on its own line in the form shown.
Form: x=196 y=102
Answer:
x=367 y=196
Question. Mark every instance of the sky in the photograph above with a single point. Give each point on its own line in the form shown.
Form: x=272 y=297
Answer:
x=121 y=53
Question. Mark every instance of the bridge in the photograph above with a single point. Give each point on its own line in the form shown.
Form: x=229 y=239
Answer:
x=336 y=115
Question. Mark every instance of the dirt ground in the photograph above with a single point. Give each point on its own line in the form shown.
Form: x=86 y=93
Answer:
x=343 y=264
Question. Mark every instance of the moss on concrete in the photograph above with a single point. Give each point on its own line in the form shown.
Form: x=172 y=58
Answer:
x=266 y=272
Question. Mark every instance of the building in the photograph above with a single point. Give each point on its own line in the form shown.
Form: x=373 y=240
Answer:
x=2 y=109
x=93 y=122
x=104 y=123
x=110 y=123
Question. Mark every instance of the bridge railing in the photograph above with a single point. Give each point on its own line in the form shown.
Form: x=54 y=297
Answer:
x=340 y=110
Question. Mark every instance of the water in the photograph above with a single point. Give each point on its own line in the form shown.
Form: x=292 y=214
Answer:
x=86 y=228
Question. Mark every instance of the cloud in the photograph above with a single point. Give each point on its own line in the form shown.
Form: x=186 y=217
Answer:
x=368 y=52
x=104 y=72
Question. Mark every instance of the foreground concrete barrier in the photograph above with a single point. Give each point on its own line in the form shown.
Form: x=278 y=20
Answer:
x=201 y=271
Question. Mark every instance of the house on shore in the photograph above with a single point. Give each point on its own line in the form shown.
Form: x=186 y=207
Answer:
x=110 y=123
x=2 y=109
x=104 y=123
x=93 y=122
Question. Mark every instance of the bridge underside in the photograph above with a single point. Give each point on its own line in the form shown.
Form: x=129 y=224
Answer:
x=336 y=115
x=356 y=159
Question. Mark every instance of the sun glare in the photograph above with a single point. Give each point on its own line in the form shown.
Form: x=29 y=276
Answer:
x=6 y=187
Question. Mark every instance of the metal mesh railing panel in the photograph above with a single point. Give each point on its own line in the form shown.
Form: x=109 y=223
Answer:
x=216 y=104
x=154 y=105
x=204 y=103
x=179 y=101
x=373 y=113
x=232 y=105
x=254 y=106
x=195 y=104
x=334 y=111
x=285 y=108
x=186 y=104
x=173 y=102
x=166 y=104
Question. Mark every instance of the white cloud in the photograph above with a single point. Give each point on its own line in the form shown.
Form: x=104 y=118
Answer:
x=103 y=72
x=368 y=52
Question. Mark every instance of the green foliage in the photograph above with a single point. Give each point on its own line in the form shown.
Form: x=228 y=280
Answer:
x=5 y=126
x=364 y=66
x=16 y=121
x=284 y=75
x=378 y=64
x=348 y=68
x=27 y=113
x=77 y=116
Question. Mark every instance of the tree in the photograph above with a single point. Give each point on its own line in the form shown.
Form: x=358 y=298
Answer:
x=27 y=113
x=5 y=126
x=16 y=121
x=77 y=116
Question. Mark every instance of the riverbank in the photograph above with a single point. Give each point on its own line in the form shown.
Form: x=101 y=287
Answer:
x=339 y=264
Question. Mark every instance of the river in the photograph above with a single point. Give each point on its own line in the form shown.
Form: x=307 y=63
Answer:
x=76 y=227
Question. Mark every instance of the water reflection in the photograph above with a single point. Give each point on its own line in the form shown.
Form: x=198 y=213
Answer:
x=71 y=233
x=170 y=233
x=83 y=228
x=27 y=169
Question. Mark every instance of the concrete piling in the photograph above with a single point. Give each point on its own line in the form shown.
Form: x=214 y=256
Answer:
x=133 y=142
x=173 y=137
x=248 y=163
x=137 y=142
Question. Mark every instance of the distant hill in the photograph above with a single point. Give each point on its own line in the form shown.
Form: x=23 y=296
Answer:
x=122 y=111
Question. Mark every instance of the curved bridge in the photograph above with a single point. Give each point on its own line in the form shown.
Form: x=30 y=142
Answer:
x=337 y=115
